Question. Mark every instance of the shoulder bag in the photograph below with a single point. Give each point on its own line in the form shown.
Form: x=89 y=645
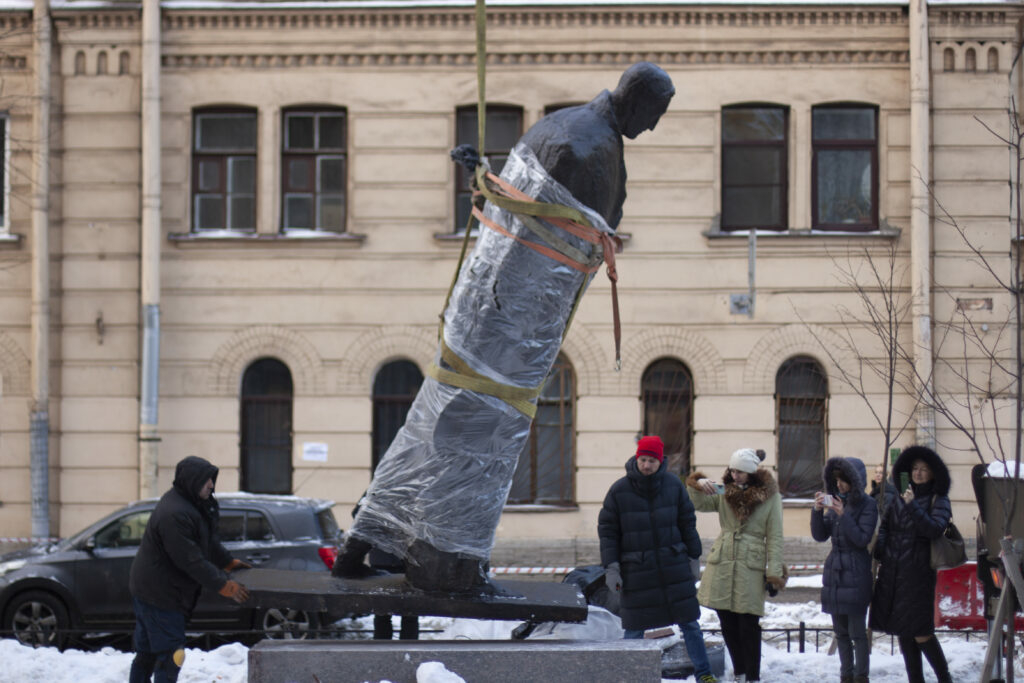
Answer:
x=948 y=550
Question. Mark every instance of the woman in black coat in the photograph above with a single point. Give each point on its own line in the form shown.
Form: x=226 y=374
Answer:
x=904 y=599
x=648 y=533
x=849 y=520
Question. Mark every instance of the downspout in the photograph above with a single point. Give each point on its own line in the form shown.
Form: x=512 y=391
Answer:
x=39 y=409
x=149 y=375
x=921 y=216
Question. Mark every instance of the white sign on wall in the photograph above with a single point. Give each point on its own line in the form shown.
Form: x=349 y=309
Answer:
x=314 y=451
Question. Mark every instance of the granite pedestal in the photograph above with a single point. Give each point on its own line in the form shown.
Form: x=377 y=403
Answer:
x=476 y=661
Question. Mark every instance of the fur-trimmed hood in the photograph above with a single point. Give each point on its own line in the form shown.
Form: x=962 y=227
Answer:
x=905 y=462
x=760 y=487
x=852 y=470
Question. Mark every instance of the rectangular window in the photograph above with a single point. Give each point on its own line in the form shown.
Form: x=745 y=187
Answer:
x=755 y=171
x=844 y=167
x=503 y=127
x=314 y=170
x=224 y=170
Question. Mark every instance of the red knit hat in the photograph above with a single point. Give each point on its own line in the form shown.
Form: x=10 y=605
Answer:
x=652 y=446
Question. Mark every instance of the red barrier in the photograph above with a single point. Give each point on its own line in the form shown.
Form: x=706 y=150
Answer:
x=960 y=599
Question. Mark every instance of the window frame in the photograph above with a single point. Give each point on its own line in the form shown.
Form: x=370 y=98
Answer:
x=566 y=427
x=684 y=464
x=399 y=403
x=5 y=186
x=224 y=158
x=852 y=145
x=782 y=145
x=462 y=178
x=317 y=153
x=821 y=402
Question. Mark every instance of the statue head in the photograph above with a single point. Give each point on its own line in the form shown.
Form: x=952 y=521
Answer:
x=641 y=97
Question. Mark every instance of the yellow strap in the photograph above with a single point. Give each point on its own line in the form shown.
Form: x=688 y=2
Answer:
x=530 y=208
x=465 y=377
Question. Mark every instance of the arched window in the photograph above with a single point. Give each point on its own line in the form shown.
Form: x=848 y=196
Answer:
x=101 y=63
x=970 y=60
x=547 y=464
x=124 y=63
x=79 y=63
x=948 y=59
x=993 y=60
x=801 y=406
x=394 y=389
x=266 y=443
x=666 y=391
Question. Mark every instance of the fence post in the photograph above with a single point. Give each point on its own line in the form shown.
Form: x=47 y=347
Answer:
x=803 y=634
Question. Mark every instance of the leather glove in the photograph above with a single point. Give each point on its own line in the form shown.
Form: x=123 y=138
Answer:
x=613 y=577
x=234 y=591
x=237 y=564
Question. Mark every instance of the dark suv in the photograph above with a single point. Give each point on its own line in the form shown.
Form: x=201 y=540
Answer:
x=81 y=583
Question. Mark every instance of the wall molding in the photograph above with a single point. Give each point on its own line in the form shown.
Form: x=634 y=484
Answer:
x=375 y=347
x=242 y=348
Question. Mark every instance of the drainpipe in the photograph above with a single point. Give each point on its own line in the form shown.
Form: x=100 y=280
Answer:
x=39 y=409
x=921 y=215
x=149 y=375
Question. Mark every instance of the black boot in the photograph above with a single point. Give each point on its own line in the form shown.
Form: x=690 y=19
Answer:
x=932 y=649
x=912 y=659
x=437 y=571
x=349 y=563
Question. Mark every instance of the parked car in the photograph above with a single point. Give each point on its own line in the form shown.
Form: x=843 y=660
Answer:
x=80 y=583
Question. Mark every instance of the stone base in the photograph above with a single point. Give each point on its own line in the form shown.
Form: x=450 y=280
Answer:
x=497 y=661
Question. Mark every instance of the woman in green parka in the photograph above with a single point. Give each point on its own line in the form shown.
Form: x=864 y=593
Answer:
x=745 y=557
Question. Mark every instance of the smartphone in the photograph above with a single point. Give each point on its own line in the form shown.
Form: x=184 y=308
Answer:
x=719 y=489
x=826 y=501
x=904 y=481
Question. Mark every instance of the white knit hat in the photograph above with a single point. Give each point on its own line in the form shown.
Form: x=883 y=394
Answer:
x=745 y=460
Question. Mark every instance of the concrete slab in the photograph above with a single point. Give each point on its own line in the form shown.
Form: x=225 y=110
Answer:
x=476 y=661
x=319 y=591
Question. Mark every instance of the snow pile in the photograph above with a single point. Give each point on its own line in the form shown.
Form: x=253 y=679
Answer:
x=228 y=664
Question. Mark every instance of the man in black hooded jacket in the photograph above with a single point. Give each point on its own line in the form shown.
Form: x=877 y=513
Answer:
x=180 y=553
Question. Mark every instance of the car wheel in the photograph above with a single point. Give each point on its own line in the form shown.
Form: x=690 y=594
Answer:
x=288 y=624
x=37 y=618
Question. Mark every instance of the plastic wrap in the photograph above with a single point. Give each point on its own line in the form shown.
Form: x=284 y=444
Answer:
x=446 y=475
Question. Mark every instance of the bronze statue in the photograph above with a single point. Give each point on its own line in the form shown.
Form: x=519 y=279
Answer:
x=439 y=490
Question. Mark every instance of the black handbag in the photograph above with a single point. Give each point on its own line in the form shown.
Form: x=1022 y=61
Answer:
x=948 y=550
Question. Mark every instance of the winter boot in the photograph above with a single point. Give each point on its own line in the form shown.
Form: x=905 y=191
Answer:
x=846 y=679
x=349 y=563
x=933 y=651
x=860 y=679
x=912 y=659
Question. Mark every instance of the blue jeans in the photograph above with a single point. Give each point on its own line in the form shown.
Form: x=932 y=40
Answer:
x=159 y=633
x=694 y=640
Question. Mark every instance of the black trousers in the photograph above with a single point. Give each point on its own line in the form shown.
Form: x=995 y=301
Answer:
x=384 y=630
x=742 y=635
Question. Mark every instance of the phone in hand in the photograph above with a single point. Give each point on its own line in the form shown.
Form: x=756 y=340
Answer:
x=719 y=489
x=826 y=500
x=904 y=481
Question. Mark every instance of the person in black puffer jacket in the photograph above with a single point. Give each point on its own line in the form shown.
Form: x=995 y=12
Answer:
x=849 y=520
x=180 y=553
x=903 y=603
x=648 y=533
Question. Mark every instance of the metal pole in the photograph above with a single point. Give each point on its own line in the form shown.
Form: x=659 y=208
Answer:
x=39 y=410
x=149 y=384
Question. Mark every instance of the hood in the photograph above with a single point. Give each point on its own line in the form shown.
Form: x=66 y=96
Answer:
x=905 y=461
x=853 y=471
x=190 y=475
x=641 y=482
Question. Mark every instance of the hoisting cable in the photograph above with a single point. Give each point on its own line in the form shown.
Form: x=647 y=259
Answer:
x=487 y=186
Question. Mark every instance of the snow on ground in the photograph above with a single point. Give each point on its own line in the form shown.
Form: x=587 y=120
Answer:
x=228 y=664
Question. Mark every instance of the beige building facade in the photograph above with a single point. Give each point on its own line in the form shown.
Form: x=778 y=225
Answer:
x=255 y=201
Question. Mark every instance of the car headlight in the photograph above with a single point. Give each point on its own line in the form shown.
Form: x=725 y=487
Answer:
x=11 y=565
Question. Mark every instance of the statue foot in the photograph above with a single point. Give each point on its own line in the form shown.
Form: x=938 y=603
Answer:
x=435 y=571
x=350 y=561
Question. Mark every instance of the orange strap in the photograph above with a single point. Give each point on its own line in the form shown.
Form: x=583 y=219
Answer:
x=609 y=245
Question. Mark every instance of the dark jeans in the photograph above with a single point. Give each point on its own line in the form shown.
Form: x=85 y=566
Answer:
x=159 y=644
x=742 y=635
x=852 y=642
